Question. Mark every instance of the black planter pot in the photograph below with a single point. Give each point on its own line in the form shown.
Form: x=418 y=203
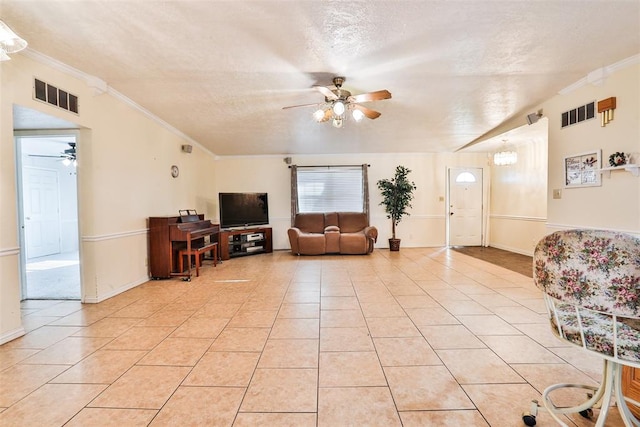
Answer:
x=394 y=245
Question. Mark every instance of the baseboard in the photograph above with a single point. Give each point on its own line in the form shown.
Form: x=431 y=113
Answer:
x=12 y=335
x=115 y=292
x=510 y=249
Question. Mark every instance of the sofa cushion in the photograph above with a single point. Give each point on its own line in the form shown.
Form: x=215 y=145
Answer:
x=311 y=244
x=353 y=243
x=310 y=222
x=351 y=222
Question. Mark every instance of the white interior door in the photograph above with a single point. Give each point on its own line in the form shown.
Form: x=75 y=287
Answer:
x=465 y=206
x=41 y=212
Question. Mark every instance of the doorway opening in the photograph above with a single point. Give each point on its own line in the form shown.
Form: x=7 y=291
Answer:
x=48 y=215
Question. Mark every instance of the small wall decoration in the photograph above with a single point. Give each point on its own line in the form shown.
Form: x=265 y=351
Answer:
x=606 y=107
x=617 y=159
x=582 y=170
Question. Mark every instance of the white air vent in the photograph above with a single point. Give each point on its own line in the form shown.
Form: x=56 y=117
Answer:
x=580 y=114
x=52 y=95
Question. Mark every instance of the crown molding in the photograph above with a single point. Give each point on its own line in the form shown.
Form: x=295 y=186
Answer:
x=598 y=76
x=99 y=87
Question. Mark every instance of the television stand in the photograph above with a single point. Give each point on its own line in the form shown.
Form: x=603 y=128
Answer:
x=248 y=241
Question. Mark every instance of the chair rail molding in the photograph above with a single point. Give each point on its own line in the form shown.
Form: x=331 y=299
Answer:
x=9 y=252
x=115 y=236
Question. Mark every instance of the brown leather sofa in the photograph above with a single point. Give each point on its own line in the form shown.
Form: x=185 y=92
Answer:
x=332 y=233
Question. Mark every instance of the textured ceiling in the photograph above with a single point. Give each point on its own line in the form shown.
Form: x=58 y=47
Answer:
x=221 y=71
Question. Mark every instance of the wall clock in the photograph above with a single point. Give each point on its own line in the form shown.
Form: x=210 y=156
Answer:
x=175 y=171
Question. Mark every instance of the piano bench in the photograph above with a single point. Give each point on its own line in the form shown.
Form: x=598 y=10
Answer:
x=198 y=253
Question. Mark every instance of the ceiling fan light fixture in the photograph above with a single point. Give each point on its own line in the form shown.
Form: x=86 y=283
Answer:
x=66 y=161
x=9 y=41
x=318 y=115
x=3 y=55
x=337 y=122
x=357 y=115
x=338 y=108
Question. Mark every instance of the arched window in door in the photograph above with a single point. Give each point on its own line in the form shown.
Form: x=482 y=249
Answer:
x=465 y=177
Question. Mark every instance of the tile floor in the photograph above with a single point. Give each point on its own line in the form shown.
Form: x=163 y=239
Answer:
x=423 y=337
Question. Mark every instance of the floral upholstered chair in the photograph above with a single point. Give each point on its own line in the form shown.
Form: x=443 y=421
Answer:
x=591 y=285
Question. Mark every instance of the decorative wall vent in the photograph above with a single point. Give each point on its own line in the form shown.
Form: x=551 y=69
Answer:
x=580 y=114
x=52 y=95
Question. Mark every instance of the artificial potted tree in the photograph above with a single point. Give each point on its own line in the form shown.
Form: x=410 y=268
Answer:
x=397 y=194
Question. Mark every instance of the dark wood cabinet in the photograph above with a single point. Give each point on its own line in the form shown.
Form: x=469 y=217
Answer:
x=249 y=241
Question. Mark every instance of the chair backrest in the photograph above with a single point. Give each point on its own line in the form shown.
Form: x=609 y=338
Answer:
x=352 y=222
x=591 y=281
x=595 y=269
x=310 y=222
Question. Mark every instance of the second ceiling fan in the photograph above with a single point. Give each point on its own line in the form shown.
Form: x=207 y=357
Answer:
x=67 y=157
x=338 y=101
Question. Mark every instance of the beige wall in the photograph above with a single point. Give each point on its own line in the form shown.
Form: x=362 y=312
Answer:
x=123 y=178
x=615 y=204
x=518 y=196
x=424 y=227
x=10 y=324
x=124 y=160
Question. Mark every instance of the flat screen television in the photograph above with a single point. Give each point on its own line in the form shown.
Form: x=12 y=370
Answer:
x=243 y=209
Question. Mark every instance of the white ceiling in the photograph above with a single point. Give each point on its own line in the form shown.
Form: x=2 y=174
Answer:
x=221 y=71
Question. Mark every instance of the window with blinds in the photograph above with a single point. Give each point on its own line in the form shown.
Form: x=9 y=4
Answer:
x=330 y=189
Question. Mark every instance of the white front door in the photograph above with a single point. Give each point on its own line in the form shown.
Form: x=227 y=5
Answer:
x=41 y=212
x=465 y=206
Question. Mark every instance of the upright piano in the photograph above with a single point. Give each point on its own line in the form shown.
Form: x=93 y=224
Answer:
x=169 y=234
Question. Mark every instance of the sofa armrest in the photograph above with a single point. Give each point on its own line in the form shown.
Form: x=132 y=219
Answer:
x=294 y=233
x=371 y=232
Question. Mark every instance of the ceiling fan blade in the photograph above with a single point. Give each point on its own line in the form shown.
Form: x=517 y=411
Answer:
x=44 y=155
x=326 y=92
x=368 y=112
x=371 y=96
x=303 y=105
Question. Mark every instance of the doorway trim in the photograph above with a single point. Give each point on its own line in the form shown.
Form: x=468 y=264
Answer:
x=485 y=186
x=19 y=136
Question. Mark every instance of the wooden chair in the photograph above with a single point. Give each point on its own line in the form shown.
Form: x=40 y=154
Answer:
x=198 y=253
x=591 y=285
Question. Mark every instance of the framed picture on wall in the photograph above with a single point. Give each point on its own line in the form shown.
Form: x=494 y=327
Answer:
x=583 y=170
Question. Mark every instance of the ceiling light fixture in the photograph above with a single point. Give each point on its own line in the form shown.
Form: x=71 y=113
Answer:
x=338 y=108
x=318 y=115
x=357 y=115
x=9 y=42
x=506 y=156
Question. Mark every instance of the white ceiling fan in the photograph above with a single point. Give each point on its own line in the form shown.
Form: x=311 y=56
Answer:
x=67 y=156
